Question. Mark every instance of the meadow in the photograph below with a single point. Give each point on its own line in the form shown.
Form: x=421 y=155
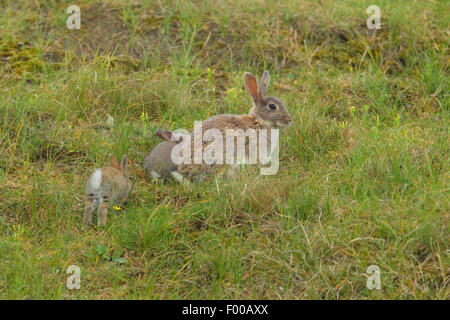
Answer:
x=364 y=171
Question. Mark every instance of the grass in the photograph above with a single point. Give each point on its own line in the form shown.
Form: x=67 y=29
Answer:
x=364 y=171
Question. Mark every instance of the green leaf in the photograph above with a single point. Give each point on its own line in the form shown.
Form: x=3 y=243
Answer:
x=100 y=249
x=119 y=260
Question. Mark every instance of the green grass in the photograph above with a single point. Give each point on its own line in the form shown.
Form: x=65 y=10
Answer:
x=364 y=171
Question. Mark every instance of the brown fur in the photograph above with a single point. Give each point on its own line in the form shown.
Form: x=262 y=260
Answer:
x=159 y=159
x=115 y=186
x=260 y=116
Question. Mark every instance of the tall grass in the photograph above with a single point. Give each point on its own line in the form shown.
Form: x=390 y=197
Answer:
x=364 y=172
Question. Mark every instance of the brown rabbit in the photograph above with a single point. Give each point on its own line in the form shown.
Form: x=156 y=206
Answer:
x=158 y=163
x=267 y=113
x=107 y=186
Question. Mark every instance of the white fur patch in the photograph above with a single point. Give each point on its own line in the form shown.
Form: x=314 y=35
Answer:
x=96 y=179
x=178 y=176
x=155 y=175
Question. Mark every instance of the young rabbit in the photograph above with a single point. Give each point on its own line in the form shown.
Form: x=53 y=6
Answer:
x=158 y=163
x=107 y=186
x=266 y=113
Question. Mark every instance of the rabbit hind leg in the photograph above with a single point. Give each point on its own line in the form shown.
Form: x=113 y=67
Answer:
x=102 y=213
x=103 y=210
x=89 y=209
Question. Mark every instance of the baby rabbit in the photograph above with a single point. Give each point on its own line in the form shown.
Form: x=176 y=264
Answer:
x=266 y=113
x=158 y=163
x=107 y=186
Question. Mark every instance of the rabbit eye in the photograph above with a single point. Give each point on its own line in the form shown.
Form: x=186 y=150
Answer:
x=272 y=106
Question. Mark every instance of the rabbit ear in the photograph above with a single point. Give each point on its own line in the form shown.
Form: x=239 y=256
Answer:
x=164 y=134
x=123 y=163
x=113 y=161
x=252 y=86
x=265 y=79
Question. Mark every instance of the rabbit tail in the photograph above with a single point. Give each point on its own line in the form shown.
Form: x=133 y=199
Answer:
x=94 y=197
x=95 y=180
